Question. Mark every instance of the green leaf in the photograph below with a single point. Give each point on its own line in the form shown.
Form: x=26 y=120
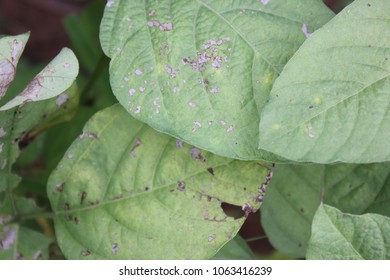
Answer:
x=295 y=192
x=53 y=80
x=235 y=249
x=11 y=48
x=331 y=102
x=364 y=237
x=23 y=243
x=202 y=70
x=125 y=191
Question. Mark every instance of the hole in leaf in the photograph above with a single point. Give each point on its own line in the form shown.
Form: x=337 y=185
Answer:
x=232 y=211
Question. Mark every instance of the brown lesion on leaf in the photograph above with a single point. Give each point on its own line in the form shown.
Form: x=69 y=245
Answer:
x=211 y=170
x=263 y=187
x=83 y=197
x=196 y=154
x=60 y=187
x=181 y=186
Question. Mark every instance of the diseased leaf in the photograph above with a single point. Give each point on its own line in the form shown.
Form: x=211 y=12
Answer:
x=125 y=191
x=11 y=48
x=18 y=243
x=202 y=70
x=331 y=102
x=53 y=80
x=364 y=237
x=17 y=128
x=295 y=192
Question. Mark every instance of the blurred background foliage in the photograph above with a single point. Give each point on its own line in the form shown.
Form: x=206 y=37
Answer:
x=75 y=24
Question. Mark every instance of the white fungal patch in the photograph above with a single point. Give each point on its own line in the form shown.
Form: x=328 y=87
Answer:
x=70 y=156
x=126 y=79
x=166 y=26
x=223 y=123
x=210 y=122
x=137 y=110
x=142 y=89
x=66 y=65
x=198 y=124
x=214 y=90
x=110 y=3
x=152 y=12
x=131 y=92
x=309 y=129
x=9 y=238
x=192 y=104
x=230 y=129
x=176 y=90
x=211 y=238
x=156 y=105
x=304 y=30
x=1 y=147
x=2 y=132
x=170 y=71
x=264 y=2
x=138 y=72
x=62 y=99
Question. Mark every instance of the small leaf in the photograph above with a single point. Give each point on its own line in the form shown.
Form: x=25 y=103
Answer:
x=350 y=236
x=23 y=243
x=11 y=48
x=202 y=70
x=296 y=191
x=331 y=102
x=53 y=80
x=125 y=191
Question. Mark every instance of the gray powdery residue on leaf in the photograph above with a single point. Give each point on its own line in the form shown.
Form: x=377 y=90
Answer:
x=9 y=239
x=62 y=99
x=33 y=88
x=7 y=74
x=2 y=132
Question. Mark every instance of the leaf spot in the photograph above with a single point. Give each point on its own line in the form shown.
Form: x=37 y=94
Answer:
x=2 y=132
x=179 y=144
x=9 y=239
x=137 y=110
x=62 y=99
x=110 y=3
x=304 y=30
x=114 y=248
x=211 y=238
x=152 y=12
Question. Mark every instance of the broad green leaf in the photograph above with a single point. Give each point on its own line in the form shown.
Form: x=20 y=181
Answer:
x=125 y=191
x=331 y=102
x=11 y=48
x=295 y=192
x=337 y=235
x=235 y=249
x=23 y=243
x=202 y=70
x=53 y=80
